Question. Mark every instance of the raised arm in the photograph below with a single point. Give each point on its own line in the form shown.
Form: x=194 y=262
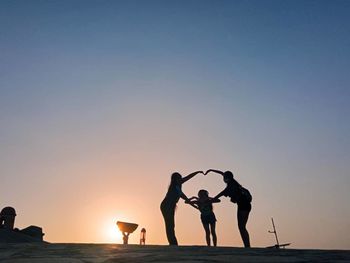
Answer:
x=215 y=171
x=215 y=200
x=191 y=201
x=190 y=176
x=187 y=201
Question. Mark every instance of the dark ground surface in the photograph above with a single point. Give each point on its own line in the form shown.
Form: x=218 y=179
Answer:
x=32 y=252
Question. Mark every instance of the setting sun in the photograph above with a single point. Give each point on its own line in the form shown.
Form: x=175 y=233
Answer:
x=111 y=232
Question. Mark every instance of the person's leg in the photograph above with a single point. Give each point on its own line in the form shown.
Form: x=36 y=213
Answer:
x=169 y=219
x=242 y=218
x=170 y=232
x=207 y=233
x=213 y=233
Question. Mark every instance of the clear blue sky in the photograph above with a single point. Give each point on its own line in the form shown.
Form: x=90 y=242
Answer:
x=94 y=93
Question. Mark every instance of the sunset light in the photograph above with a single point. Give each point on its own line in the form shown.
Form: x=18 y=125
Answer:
x=188 y=122
x=112 y=233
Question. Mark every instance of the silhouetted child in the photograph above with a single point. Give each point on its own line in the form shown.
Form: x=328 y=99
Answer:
x=125 y=238
x=205 y=206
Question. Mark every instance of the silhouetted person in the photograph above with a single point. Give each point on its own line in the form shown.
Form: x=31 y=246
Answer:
x=168 y=205
x=125 y=238
x=143 y=237
x=205 y=206
x=7 y=218
x=242 y=197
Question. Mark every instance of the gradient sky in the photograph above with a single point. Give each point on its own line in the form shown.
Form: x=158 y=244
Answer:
x=100 y=101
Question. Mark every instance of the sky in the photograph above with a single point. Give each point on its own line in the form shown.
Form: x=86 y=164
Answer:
x=100 y=101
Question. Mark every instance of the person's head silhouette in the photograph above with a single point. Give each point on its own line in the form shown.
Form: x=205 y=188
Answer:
x=203 y=194
x=175 y=179
x=228 y=177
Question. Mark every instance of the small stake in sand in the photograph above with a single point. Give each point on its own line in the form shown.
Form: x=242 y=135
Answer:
x=278 y=245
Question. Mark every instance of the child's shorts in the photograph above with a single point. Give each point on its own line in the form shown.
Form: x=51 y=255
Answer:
x=208 y=219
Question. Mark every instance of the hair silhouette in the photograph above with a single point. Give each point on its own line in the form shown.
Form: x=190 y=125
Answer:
x=175 y=179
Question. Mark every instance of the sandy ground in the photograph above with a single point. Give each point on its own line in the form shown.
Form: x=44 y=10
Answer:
x=27 y=252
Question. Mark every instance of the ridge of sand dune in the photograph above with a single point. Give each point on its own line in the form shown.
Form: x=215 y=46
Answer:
x=133 y=253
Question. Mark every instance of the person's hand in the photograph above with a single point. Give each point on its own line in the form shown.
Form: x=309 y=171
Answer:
x=216 y=200
x=189 y=201
x=194 y=205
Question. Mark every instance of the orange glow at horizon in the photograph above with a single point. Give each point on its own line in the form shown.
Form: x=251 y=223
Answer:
x=112 y=233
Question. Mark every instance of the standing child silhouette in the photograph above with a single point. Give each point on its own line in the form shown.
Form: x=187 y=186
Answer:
x=205 y=206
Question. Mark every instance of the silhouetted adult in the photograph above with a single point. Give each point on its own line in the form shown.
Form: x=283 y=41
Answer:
x=168 y=205
x=242 y=197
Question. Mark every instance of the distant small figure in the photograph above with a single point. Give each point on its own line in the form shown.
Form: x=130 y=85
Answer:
x=7 y=218
x=126 y=229
x=143 y=237
x=205 y=205
x=125 y=238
